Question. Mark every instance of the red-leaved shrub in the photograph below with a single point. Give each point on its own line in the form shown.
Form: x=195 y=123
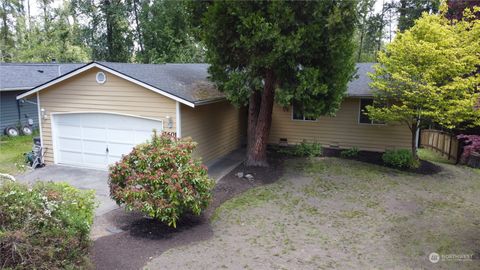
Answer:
x=472 y=144
x=161 y=179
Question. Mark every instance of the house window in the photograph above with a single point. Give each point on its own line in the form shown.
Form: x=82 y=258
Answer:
x=298 y=114
x=363 y=118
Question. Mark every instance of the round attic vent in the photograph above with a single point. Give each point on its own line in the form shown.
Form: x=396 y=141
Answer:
x=101 y=77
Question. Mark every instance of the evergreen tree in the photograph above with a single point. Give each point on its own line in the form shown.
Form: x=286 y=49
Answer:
x=289 y=52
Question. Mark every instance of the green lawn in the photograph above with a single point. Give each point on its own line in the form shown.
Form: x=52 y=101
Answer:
x=430 y=155
x=11 y=153
x=331 y=213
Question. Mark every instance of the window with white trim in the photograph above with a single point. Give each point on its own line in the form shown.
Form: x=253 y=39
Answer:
x=298 y=114
x=363 y=117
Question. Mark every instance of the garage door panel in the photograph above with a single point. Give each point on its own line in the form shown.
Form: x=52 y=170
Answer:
x=95 y=161
x=70 y=119
x=142 y=136
x=116 y=135
x=70 y=131
x=117 y=149
x=69 y=157
x=82 y=139
x=94 y=133
x=69 y=144
x=94 y=147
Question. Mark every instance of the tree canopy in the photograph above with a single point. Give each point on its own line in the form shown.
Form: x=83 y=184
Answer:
x=429 y=73
x=290 y=52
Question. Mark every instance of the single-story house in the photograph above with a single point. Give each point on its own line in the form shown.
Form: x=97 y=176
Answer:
x=92 y=115
x=348 y=128
x=18 y=78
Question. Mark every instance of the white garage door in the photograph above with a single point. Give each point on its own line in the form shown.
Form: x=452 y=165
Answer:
x=96 y=140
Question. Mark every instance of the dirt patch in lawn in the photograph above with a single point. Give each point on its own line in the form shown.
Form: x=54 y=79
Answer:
x=138 y=239
x=330 y=213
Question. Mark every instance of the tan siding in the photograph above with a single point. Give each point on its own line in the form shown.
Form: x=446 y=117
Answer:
x=82 y=93
x=218 y=128
x=342 y=130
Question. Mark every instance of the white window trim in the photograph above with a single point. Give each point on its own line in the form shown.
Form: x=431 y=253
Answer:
x=301 y=120
x=360 y=113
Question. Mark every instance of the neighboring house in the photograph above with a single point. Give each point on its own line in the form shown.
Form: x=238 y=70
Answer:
x=348 y=128
x=96 y=113
x=17 y=78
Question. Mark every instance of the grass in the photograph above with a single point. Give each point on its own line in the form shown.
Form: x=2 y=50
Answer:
x=331 y=212
x=430 y=155
x=11 y=153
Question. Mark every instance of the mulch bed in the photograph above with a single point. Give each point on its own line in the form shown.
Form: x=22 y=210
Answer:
x=425 y=167
x=143 y=238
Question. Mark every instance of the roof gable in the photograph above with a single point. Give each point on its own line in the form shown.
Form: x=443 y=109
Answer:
x=109 y=70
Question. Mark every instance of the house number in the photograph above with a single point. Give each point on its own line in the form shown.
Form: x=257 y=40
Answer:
x=170 y=133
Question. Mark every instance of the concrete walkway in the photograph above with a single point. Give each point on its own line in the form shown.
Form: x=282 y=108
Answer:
x=220 y=167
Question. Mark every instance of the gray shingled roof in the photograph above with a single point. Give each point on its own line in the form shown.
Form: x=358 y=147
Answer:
x=19 y=76
x=190 y=81
x=359 y=87
x=186 y=81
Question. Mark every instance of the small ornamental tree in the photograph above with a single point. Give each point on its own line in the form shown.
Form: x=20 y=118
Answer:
x=161 y=179
x=429 y=73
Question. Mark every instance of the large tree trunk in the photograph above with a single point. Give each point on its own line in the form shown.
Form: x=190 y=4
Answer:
x=259 y=130
x=253 y=110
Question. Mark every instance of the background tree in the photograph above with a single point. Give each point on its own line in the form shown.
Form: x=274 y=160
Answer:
x=428 y=73
x=10 y=10
x=410 y=10
x=288 y=52
x=166 y=33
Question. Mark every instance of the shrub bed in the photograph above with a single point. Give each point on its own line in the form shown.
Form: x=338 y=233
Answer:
x=161 y=179
x=46 y=226
x=304 y=149
x=401 y=158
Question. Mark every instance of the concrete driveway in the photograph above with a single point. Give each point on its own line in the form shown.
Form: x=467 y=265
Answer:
x=78 y=177
x=97 y=180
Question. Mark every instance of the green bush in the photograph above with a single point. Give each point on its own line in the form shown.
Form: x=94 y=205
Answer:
x=161 y=179
x=303 y=149
x=401 y=158
x=46 y=226
x=350 y=153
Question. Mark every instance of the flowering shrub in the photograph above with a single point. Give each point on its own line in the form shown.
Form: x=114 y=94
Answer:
x=44 y=227
x=161 y=179
x=472 y=145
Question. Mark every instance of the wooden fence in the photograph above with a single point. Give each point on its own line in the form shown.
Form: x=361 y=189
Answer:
x=444 y=143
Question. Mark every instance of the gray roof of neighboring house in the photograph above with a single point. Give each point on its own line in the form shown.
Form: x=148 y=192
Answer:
x=186 y=81
x=24 y=76
x=359 y=87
